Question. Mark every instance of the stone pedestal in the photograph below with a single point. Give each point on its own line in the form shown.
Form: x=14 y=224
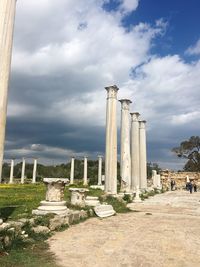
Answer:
x=72 y=171
x=143 y=155
x=125 y=157
x=11 y=171
x=23 y=171
x=7 y=16
x=34 y=171
x=54 y=202
x=78 y=196
x=137 y=198
x=111 y=141
x=135 y=151
x=92 y=201
x=85 y=182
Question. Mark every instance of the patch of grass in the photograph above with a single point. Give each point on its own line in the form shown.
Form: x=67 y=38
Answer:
x=31 y=256
x=17 y=201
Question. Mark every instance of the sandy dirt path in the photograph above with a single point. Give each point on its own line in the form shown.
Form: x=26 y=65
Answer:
x=165 y=232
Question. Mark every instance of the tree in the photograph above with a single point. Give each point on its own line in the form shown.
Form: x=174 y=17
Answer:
x=190 y=150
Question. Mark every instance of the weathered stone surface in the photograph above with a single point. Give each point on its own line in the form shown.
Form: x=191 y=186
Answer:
x=78 y=196
x=41 y=229
x=83 y=214
x=103 y=211
x=92 y=201
x=4 y=226
x=57 y=222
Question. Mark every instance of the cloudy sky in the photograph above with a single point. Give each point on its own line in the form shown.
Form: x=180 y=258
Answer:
x=66 y=51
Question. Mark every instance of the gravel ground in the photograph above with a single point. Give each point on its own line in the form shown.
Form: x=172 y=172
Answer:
x=164 y=231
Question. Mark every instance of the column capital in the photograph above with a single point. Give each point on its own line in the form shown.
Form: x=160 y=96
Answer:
x=112 y=91
x=125 y=103
x=135 y=116
x=100 y=156
x=142 y=124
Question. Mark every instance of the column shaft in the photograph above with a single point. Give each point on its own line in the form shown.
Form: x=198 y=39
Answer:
x=111 y=141
x=34 y=171
x=23 y=171
x=72 y=171
x=100 y=171
x=143 y=155
x=85 y=182
x=135 y=151
x=11 y=171
x=7 y=15
x=125 y=157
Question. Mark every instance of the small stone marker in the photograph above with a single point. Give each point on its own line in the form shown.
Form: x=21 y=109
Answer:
x=103 y=211
x=92 y=201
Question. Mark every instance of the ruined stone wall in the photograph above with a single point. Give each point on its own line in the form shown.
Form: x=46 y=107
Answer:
x=179 y=177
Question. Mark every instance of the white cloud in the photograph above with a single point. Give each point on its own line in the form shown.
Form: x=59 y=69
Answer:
x=87 y=48
x=128 y=6
x=194 y=50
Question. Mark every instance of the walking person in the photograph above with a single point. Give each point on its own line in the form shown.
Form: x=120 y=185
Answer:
x=190 y=185
x=195 y=187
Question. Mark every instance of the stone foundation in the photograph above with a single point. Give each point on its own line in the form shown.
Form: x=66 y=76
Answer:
x=180 y=179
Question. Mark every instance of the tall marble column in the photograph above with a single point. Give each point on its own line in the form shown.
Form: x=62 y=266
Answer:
x=125 y=155
x=154 y=178
x=11 y=171
x=100 y=170
x=85 y=182
x=111 y=141
x=7 y=15
x=143 y=155
x=72 y=171
x=135 y=151
x=34 y=171
x=23 y=171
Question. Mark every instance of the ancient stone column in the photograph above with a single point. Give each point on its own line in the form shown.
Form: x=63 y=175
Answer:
x=34 y=171
x=85 y=182
x=100 y=170
x=154 y=178
x=23 y=171
x=11 y=171
x=111 y=141
x=125 y=155
x=72 y=171
x=135 y=151
x=143 y=155
x=7 y=15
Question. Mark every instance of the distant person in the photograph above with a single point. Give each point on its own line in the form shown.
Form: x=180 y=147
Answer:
x=190 y=185
x=195 y=187
x=173 y=185
x=187 y=186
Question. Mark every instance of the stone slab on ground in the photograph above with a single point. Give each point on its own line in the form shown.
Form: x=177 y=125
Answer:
x=162 y=234
x=103 y=211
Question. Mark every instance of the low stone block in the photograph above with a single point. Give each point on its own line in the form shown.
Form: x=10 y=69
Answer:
x=41 y=230
x=92 y=201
